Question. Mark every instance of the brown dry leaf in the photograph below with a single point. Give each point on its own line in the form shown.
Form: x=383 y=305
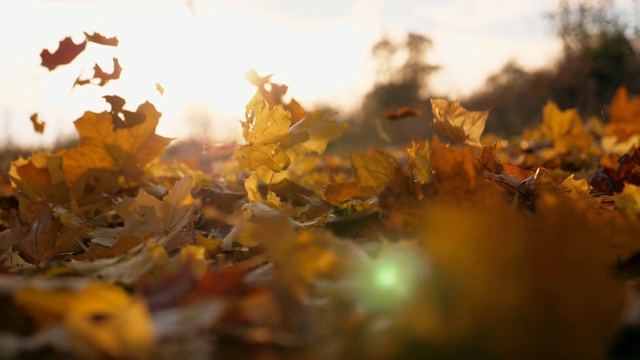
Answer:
x=101 y=76
x=101 y=39
x=102 y=320
x=336 y=193
x=457 y=123
x=66 y=52
x=564 y=128
x=125 y=151
x=45 y=238
x=38 y=126
x=624 y=116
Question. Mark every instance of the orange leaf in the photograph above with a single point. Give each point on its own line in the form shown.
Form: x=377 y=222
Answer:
x=125 y=151
x=66 y=52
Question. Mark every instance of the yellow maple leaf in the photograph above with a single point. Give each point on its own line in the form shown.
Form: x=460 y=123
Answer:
x=125 y=151
x=564 y=128
x=624 y=116
x=458 y=123
x=271 y=138
x=264 y=129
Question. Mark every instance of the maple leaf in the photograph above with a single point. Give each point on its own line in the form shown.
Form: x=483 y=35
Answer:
x=125 y=151
x=100 y=75
x=320 y=128
x=458 y=123
x=101 y=39
x=45 y=238
x=146 y=215
x=38 y=126
x=265 y=130
x=564 y=128
x=403 y=112
x=624 y=116
x=66 y=52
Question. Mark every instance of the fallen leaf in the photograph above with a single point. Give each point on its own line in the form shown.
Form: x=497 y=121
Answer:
x=45 y=238
x=624 y=116
x=66 y=52
x=564 y=128
x=456 y=122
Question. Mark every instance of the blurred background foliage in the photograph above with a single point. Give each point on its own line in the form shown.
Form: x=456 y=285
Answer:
x=600 y=53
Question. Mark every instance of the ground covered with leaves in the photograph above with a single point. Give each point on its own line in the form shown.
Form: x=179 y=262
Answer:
x=459 y=246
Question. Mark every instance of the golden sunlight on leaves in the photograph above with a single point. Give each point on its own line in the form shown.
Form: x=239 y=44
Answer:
x=124 y=151
x=457 y=123
x=264 y=129
x=624 y=116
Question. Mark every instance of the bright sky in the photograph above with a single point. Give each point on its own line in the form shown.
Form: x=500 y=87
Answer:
x=321 y=49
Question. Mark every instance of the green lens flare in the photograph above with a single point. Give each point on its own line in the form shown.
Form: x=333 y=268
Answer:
x=388 y=281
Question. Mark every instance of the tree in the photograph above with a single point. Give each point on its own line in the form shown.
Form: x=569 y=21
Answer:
x=397 y=86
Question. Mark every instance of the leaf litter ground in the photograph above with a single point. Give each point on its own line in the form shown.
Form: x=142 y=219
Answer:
x=463 y=247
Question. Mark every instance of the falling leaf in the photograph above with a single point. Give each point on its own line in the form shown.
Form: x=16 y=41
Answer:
x=160 y=88
x=125 y=151
x=102 y=77
x=456 y=122
x=403 y=112
x=264 y=130
x=624 y=115
x=38 y=126
x=101 y=39
x=320 y=128
x=66 y=52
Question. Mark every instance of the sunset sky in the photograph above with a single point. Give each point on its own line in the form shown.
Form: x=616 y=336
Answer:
x=321 y=49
